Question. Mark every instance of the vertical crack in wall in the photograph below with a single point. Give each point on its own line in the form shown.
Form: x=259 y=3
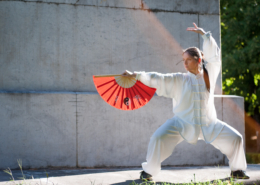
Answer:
x=77 y=161
x=75 y=104
x=224 y=157
x=199 y=27
x=78 y=106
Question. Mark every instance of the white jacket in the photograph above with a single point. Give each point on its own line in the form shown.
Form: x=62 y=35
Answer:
x=193 y=105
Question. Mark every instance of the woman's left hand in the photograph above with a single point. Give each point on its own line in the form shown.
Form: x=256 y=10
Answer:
x=128 y=74
x=196 y=29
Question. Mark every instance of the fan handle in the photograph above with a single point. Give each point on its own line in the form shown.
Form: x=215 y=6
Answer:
x=112 y=75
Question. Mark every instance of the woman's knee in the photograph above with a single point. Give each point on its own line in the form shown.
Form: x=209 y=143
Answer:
x=233 y=134
x=165 y=130
x=238 y=138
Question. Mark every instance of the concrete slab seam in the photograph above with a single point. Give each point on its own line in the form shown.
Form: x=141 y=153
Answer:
x=199 y=26
x=77 y=146
x=142 y=9
x=224 y=157
x=222 y=108
x=46 y=92
x=74 y=101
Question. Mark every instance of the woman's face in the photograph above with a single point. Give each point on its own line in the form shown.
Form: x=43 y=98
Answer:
x=190 y=63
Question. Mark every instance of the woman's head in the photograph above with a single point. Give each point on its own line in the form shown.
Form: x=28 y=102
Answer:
x=192 y=58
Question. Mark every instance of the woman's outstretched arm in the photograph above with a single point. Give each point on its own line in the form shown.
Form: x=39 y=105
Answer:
x=167 y=85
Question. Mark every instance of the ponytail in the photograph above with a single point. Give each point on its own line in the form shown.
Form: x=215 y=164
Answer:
x=204 y=68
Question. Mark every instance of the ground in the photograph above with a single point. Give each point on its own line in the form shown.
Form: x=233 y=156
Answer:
x=124 y=176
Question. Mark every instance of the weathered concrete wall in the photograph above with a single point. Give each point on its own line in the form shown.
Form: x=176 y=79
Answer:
x=57 y=45
x=81 y=130
x=38 y=128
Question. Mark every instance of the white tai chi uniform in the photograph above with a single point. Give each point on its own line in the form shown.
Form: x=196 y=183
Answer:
x=194 y=113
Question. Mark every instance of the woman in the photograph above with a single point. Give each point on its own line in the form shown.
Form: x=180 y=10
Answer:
x=194 y=110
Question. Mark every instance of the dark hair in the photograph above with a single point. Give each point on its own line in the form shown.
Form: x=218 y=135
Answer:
x=194 y=52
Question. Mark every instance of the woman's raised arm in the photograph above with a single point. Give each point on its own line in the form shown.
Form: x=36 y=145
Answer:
x=211 y=52
x=210 y=48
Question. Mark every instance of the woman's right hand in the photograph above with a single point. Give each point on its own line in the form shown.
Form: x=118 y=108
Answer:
x=128 y=74
x=196 y=29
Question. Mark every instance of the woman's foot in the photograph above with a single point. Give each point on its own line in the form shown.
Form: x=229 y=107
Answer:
x=145 y=176
x=239 y=174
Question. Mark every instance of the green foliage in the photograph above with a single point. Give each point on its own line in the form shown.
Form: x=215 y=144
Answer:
x=253 y=158
x=227 y=181
x=215 y=182
x=240 y=35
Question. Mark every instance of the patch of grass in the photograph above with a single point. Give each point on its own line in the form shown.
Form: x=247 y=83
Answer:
x=253 y=158
x=227 y=181
x=215 y=182
x=23 y=178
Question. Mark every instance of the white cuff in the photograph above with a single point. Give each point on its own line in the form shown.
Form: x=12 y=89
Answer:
x=138 y=74
x=206 y=35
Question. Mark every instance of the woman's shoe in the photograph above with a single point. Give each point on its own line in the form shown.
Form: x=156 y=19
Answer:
x=239 y=174
x=145 y=176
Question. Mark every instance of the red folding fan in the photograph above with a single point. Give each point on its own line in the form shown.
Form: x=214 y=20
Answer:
x=123 y=92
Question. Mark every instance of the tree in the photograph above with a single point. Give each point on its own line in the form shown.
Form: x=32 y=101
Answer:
x=240 y=35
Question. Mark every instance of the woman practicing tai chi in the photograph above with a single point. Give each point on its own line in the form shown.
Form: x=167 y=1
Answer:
x=194 y=111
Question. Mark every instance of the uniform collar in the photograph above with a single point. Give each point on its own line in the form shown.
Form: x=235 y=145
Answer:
x=200 y=74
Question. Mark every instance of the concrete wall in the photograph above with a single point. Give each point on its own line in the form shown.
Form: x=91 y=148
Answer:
x=57 y=45
x=50 y=114
x=40 y=129
x=81 y=130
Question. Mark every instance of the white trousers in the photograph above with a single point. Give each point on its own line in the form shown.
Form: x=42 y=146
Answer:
x=166 y=137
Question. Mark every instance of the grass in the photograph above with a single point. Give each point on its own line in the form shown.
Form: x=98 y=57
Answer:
x=215 y=182
x=23 y=178
x=253 y=158
x=227 y=181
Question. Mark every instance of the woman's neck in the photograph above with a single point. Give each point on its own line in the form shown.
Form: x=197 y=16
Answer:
x=195 y=72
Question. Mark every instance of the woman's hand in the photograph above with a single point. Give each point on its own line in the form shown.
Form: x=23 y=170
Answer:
x=196 y=29
x=128 y=74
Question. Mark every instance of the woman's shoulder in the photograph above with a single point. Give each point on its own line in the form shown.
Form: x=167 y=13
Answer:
x=177 y=75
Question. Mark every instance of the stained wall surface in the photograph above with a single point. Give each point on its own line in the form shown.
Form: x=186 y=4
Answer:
x=57 y=45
